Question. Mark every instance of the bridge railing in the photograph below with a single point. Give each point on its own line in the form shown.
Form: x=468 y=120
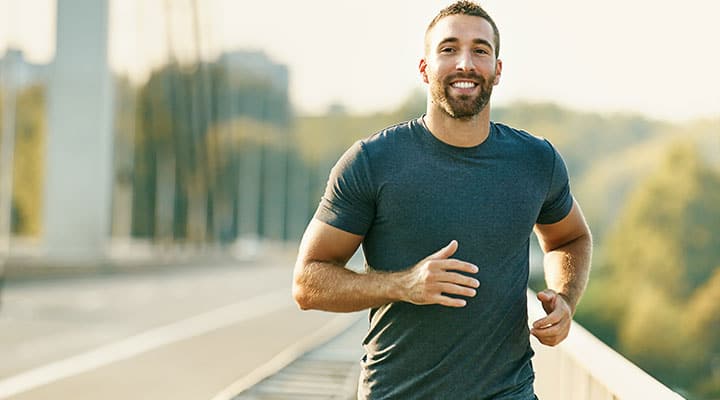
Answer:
x=584 y=368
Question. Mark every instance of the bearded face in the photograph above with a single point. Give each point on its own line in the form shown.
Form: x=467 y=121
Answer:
x=453 y=96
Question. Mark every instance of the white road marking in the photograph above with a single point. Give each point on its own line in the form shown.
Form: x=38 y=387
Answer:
x=146 y=341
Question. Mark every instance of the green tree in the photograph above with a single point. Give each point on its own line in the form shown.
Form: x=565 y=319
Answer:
x=668 y=234
x=29 y=161
x=657 y=285
x=703 y=326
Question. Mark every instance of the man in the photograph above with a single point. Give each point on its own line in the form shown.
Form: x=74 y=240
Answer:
x=444 y=206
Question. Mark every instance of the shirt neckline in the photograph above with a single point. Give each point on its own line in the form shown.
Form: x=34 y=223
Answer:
x=455 y=149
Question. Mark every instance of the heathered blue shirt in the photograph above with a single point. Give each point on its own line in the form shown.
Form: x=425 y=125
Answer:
x=409 y=194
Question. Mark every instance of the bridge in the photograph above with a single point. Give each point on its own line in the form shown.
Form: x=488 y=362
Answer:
x=226 y=329
x=147 y=281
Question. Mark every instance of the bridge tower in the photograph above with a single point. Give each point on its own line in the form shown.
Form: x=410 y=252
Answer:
x=78 y=178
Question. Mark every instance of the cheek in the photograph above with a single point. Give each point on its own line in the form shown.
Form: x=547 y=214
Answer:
x=434 y=74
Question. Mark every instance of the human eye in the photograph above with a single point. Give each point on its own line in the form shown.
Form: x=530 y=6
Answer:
x=482 y=51
x=447 y=50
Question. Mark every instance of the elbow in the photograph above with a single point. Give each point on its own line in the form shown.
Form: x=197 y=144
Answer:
x=302 y=291
x=301 y=297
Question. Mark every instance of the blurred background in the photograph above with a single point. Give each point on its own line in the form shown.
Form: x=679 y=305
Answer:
x=197 y=135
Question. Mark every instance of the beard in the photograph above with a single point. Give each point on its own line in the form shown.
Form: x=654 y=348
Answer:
x=462 y=106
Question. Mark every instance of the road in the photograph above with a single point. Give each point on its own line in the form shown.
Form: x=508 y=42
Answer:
x=182 y=333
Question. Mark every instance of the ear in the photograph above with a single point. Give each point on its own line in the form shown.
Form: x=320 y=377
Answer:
x=423 y=70
x=498 y=71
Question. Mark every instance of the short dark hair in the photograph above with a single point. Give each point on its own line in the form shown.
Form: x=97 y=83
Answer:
x=465 y=7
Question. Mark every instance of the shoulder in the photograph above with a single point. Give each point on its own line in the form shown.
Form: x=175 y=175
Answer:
x=522 y=137
x=378 y=150
x=534 y=150
x=394 y=135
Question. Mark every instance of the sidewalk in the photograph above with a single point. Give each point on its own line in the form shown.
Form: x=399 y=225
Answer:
x=325 y=366
x=179 y=333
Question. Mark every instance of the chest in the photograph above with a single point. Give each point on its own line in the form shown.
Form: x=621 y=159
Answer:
x=489 y=202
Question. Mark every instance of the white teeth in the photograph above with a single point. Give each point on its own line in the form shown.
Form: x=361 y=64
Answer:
x=463 y=85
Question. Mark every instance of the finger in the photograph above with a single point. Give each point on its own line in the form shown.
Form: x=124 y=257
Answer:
x=449 y=288
x=553 y=329
x=449 y=301
x=548 y=340
x=559 y=330
x=551 y=336
x=542 y=336
x=556 y=316
x=554 y=334
x=553 y=318
x=456 y=265
x=459 y=279
x=445 y=252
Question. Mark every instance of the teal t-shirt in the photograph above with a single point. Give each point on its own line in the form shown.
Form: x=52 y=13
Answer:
x=409 y=194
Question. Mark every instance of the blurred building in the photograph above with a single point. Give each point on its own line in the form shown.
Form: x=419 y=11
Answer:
x=196 y=154
x=238 y=63
x=24 y=73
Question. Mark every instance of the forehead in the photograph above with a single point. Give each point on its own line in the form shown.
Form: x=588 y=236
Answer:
x=462 y=27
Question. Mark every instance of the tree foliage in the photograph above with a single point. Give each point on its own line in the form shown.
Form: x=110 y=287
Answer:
x=29 y=161
x=662 y=276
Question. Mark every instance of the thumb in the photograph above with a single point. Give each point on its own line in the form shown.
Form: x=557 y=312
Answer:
x=547 y=298
x=445 y=252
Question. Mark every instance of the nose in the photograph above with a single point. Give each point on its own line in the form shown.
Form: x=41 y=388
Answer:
x=465 y=62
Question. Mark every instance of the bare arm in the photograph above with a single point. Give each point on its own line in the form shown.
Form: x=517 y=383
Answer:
x=567 y=245
x=321 y=282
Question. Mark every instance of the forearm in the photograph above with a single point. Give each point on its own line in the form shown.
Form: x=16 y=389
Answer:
x=331 y=287
x=567 y=268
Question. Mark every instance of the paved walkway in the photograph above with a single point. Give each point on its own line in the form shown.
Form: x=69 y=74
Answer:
x=185 y=333
x=324 y=368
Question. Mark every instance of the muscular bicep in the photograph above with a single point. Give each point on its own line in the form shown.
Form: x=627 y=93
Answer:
x=325 y=243
x=568 y=229
x=319 y=280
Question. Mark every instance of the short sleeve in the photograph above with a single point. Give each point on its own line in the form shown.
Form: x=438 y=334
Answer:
x=348 y=202
x=558 y=201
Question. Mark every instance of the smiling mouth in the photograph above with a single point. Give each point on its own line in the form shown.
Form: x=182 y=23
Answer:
x=463 y=85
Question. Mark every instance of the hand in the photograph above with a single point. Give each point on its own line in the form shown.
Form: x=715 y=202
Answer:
x=553 y=328
x=430 y=279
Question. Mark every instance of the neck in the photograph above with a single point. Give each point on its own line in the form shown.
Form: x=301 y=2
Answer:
x=458 y=132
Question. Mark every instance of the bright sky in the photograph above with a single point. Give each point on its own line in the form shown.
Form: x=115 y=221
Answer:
x=657 y=57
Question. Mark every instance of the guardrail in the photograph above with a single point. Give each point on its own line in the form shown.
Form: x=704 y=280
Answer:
x=584 y=368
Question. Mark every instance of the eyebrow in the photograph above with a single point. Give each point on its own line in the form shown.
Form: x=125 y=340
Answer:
x=475 y=41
